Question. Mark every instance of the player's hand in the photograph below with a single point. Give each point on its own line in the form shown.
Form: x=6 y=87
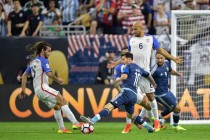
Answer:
x=111 y=64
x=60 y=80
x=179 y=60
x=22 y=95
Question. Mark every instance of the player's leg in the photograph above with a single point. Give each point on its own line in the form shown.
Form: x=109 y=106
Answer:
x=67 y=111
x=49 y=98
x=176 y=115
x=147 y=88
x=114 y=103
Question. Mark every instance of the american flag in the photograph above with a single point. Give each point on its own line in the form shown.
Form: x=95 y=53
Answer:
x=79 y=42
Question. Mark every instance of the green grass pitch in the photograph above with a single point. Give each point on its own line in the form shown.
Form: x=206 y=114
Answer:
x=102 y=131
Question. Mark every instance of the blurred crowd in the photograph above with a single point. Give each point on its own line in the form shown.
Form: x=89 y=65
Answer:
x=27 y=17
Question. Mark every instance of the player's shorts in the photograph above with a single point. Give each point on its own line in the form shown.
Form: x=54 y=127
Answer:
x=145 y=85
x=47 y=95
x=126 y=98
x=140 y=96
x=168 y=100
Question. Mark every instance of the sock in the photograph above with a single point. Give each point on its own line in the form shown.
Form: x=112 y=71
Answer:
x=66 y=111
x=165 y=112
x=154 y=107
x=176 y=118
x=141 y=121
x=143 y=112
x=128 y=120
x=104 y=113
x=59 y=119
x=150 y=115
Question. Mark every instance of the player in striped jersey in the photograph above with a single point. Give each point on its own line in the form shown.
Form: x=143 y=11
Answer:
x=160 y=72
x=141 y=46
x=40 y=70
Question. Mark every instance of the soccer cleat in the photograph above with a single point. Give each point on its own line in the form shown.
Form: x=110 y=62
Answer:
x=178 y=128
x=64 y=131
x=77 y=126
x=87 y=120
x=138 y=125
x=163 y=126
x=157 y=125
x=127 y=128
x=151 y=130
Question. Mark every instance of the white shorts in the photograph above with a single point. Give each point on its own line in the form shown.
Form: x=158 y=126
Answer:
x=140 y=96
x=145 y=85
x=47 y=95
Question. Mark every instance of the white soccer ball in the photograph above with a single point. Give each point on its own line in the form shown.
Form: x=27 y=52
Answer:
x=87 y=128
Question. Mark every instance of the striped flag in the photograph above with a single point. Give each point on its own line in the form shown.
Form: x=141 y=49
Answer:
x=79 y=42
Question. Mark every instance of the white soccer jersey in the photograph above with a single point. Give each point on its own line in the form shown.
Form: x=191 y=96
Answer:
x=38 y=69
x=141 y=48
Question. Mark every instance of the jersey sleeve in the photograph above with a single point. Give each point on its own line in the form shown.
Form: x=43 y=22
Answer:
x=144 y=73
x=155 y=45
x=28 y=70
x=117 y=71
x=45 y=65
x=126 y=70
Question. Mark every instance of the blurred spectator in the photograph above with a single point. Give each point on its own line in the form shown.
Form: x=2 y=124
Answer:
x=166 y=5
x=202 y=4
x=8 y=7
x=162 y=20
x=57 y=30
x=177 y=4
x=86 y=4
x=189 y=5
x=3 y=21
x=85 y=19
x=129 y=13
x=105 y=13
x=146 y=11
x=28 y=6
x=51 y=13
x=69 y=9
x=16 y=20
x=2 y=1
x=104 y=75
x=22 y=70
x=34 y=22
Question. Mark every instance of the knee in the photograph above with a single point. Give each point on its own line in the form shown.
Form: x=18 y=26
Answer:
x=176 y=109
x=60 y=100
x=109 y=106
x=150 y=96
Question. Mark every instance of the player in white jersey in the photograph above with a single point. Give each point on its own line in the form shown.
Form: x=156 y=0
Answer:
x=40 y=70
x=141 y=46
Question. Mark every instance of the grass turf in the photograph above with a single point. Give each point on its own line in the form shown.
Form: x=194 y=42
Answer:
x=102 y=131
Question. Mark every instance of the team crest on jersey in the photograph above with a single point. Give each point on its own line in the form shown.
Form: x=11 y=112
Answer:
x=47 y=66
x=148 y=40
x=21 y=14
x=37 y=61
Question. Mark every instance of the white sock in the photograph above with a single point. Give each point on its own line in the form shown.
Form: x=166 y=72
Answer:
x=128 y=120
x=154 y=107
x=66 y=111
x=150 y=115
x=143 y=112
x=59 y=119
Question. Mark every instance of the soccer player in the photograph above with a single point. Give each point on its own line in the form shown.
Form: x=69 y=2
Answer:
x=40 y=70
x=129 y=78
x=160 y=72
x=141 y=99
x=141 y=46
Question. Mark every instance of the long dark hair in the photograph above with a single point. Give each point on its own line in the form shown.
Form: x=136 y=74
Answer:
x=37 y=47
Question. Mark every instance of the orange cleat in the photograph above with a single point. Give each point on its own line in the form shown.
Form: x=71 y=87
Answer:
x=157 y=125
x=127 y=128
x=64 y=131
x=77 y=126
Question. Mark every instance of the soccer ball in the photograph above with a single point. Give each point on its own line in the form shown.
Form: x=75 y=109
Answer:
x=87 y=128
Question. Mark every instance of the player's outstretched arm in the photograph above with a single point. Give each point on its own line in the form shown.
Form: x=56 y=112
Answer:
x=23 y=85
x=152 y=81
x=55 y=78
x=122 y=78
x=177 y=60
x=173 y=72
x=112 y=64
